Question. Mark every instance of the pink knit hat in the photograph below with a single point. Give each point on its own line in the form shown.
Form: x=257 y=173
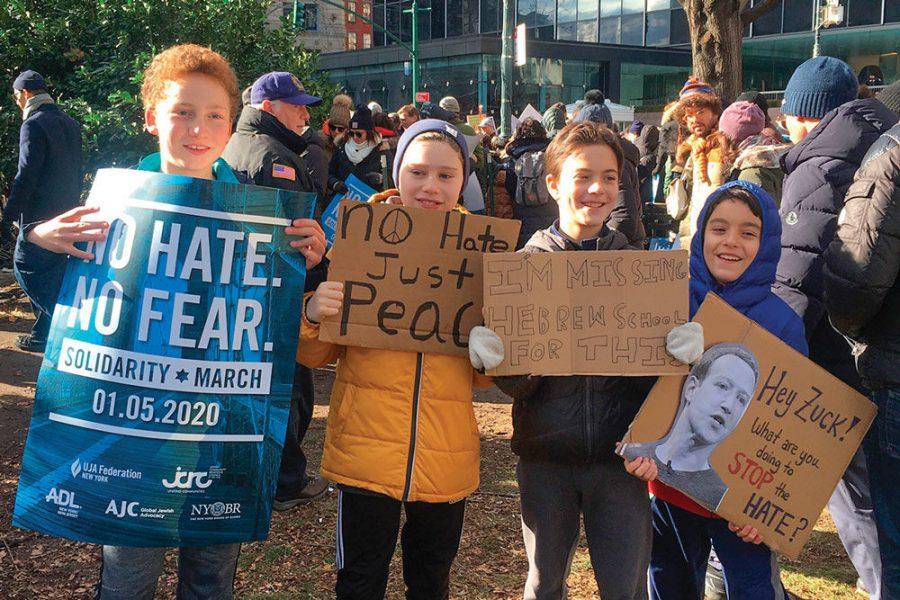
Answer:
x=741 y=120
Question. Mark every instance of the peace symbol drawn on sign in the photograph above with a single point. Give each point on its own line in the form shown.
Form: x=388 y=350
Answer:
x=393 y=230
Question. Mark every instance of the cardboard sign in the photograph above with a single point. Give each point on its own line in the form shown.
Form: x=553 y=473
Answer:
x=164 y=393
x=586 y=313
x=757 y=432
x=474 y=120
x=412 y=277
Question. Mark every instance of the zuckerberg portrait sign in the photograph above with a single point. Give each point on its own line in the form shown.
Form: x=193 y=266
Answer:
x=714 y=397
x=756 y=432
x=163 y=397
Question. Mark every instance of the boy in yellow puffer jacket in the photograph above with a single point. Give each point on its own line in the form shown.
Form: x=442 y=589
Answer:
x=401 y=430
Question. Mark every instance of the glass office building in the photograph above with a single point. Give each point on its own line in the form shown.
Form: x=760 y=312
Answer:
x=635 y=50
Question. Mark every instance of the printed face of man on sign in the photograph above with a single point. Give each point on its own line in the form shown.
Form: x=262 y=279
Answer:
x=713 y=399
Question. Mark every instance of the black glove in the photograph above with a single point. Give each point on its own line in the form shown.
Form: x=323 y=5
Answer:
x=340 y=187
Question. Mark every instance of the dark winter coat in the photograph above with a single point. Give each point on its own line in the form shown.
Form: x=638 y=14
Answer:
x=317 y=156
x=532 y=218
x=647 y=144
x=369 y=170
x=628 y=211
x=819 y=170
x=268 y=152
x=574 y=419
x=862 y=287
x=48 y=181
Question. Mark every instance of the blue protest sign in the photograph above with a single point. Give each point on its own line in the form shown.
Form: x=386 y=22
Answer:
x=163 y=397
x=356 y=190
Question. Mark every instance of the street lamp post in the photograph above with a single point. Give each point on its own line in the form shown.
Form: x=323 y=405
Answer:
x=506 y=70
x=817 y=29
x=825 y=16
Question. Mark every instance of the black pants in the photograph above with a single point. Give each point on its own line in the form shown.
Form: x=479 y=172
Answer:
x=367 y=535
x=292 y=476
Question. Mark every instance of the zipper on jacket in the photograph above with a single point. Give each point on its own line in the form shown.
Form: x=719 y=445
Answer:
x=414 y=425
x=588 y=416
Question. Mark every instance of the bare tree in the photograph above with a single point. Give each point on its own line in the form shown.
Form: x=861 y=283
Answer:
x=717 y=29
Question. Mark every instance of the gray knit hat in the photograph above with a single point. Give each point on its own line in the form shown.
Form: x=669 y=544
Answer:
x=890 y=96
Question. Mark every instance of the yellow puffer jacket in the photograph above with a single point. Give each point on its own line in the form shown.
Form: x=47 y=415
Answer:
x=400 y=423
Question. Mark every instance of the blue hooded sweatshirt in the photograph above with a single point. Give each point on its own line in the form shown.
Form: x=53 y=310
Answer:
x=751 y=294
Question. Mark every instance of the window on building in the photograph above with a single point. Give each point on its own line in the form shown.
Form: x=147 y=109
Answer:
x=770 y=21
x=587 y=31
x=351 y=41
x=367 y=40
x=633 y=30
x=491 y=18
x=351 y=18
x=462 y=17
x=630 y=7
x=311 y=17
x=660 y=4
x=678 y=28
x=392 y=19
x=609 y=30
x=367 y=9
x=799 y=16
x=865 y=12
x=424 y=18
x=658 y=28
x=378 y=18
x=438 y=19
x=610 y=8
x=891 y=11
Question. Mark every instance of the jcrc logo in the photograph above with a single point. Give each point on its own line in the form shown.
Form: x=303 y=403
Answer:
x=216 y=509
x=122 y=508
x=188 y=480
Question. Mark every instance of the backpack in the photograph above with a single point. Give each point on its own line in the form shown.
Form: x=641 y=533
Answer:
x=531 y=188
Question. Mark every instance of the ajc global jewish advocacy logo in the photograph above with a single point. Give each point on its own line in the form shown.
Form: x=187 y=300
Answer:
x=91 y=471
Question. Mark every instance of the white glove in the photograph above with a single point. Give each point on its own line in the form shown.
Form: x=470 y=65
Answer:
x=685 y=342
x=485 y=348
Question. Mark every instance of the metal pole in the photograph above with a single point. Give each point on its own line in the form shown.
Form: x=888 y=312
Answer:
x=506 y=70
x=817 y=28
x=415 y=49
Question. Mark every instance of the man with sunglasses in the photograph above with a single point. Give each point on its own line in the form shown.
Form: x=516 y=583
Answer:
x=267 y=145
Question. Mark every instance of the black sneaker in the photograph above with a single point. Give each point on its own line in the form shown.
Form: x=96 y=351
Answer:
x=28 y=343
x=315 y=487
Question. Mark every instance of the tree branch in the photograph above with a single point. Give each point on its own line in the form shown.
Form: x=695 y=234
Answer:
x=751 y=14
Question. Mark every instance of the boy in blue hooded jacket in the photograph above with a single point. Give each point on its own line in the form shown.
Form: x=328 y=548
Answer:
x=735 y=256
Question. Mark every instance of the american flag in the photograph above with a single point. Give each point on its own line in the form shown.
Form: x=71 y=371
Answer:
x=283 y=172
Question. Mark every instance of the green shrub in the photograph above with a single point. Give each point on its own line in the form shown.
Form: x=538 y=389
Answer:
x=92 y=54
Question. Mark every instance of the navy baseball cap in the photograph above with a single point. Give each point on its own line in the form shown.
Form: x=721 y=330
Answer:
x=29 y=80
x=283 y=86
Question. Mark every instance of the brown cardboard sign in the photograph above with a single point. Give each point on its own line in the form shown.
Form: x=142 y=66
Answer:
x=586 y=313
x=412 y=277
x=756 y=432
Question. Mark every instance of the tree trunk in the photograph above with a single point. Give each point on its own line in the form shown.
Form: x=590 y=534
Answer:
x=716 y=36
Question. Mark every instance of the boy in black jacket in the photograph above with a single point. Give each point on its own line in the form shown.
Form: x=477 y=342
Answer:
x=565 y=428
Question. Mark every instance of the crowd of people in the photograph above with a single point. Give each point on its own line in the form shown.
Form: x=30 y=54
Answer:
x=793 y=221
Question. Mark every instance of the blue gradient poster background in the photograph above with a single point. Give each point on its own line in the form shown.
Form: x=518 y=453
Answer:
x=163 y=396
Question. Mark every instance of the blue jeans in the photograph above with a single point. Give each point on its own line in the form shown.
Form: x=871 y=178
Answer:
x=681 y=545
x=204 y=572
x=39 y=273
x=882 y=447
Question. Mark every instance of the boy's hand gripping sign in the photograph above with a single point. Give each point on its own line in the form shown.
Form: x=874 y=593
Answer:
x=412 y=277
x=756 y=432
